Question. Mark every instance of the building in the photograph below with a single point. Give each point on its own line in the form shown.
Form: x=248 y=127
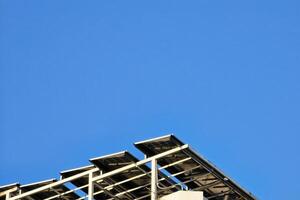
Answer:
x=170 y=170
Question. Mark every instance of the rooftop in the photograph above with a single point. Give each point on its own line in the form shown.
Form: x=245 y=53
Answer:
x=169 y=165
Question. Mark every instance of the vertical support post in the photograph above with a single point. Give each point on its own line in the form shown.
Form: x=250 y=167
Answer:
x=7 y=196
x=91 y=187
x=153 y=179
x=226 y=197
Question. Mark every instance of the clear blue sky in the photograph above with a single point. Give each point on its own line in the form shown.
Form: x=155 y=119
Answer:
x=83 y=79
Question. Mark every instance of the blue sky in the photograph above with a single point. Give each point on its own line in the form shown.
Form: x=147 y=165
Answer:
x=84 y=79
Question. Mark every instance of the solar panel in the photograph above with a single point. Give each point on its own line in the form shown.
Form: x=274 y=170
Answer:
x=196 y=173
x=8 y=187
x=55 y=191
x=133 y=179
x=12 y=187
x=83 y=181
x=80 y=181
x=50 y=192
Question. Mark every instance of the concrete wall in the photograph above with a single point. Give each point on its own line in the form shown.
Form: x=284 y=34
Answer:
x=184 y=195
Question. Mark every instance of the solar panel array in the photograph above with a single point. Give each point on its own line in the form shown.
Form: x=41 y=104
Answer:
x=123 y=176
x=47 y=194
